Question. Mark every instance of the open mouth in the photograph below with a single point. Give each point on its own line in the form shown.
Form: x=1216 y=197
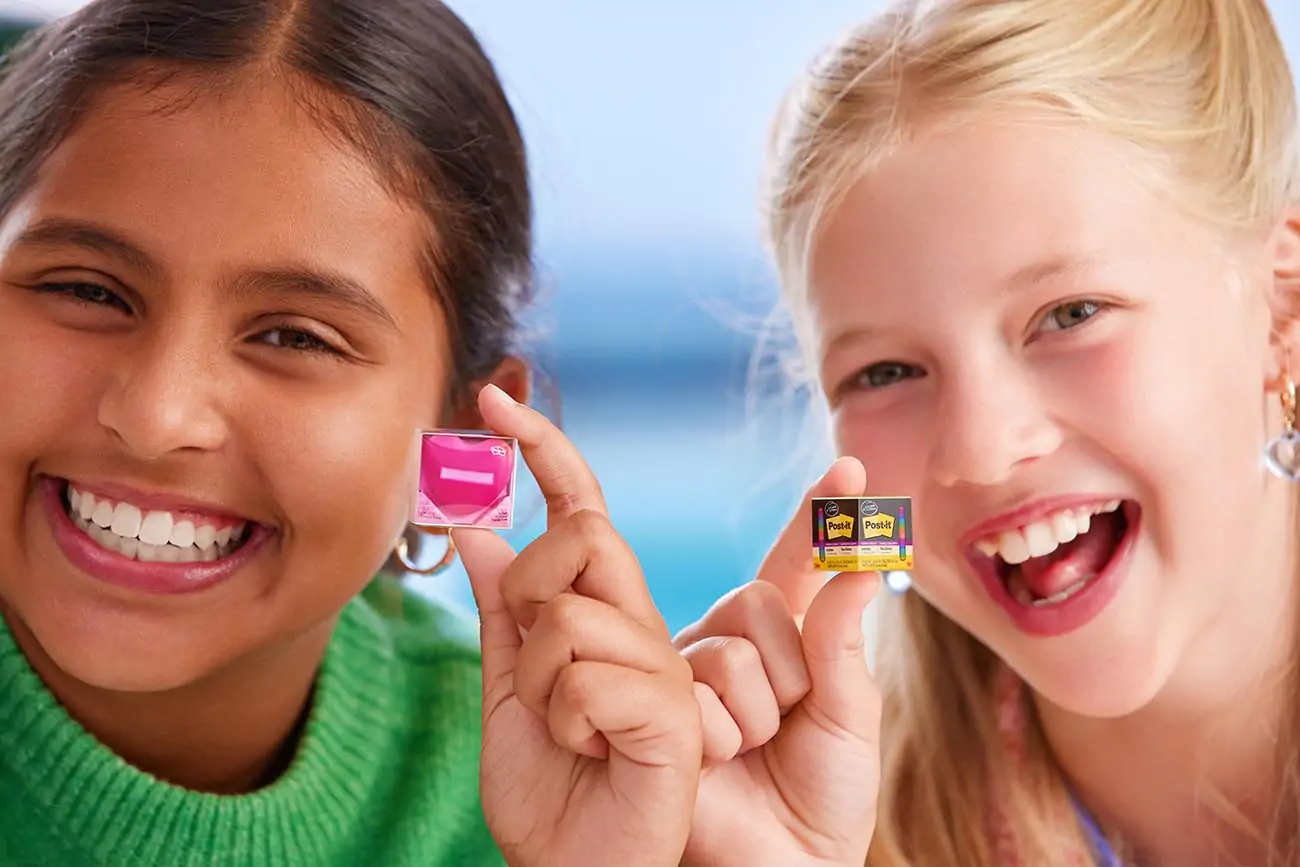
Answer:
x=1055 y=558
x=152 y=535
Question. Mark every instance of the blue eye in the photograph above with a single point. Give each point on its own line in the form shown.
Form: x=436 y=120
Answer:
x=886 y=373
x=1069 y=315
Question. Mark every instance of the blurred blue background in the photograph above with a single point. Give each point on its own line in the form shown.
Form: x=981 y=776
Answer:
x=646 y=123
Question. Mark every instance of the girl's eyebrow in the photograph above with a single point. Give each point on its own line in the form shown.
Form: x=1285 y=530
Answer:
x=1066 y=266
x=1059 y=267
x=286 y=281
x=56 y=232
x=311 y=282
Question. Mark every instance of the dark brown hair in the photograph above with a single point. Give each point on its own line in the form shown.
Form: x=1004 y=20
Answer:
x=403 y=81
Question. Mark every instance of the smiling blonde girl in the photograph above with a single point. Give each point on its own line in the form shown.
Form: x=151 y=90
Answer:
x=1043 y=256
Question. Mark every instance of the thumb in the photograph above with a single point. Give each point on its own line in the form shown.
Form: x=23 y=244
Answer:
x=834 y=647
x=486 y=557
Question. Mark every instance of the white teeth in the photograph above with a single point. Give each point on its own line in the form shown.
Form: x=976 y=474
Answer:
x=157 y=528
x=126 y=520
x=182 y=534
x=1065 y=527
x=155 y=536
x=135 y=549
x=1044 y=536
x=1040 y=538
x=1058 y=598
x=103 y=514
x=205 y=537
x=103 y=537
x=1013 y=547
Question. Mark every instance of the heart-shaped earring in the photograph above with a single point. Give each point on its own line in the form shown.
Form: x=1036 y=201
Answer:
x=1282 y=454
x=1282 y=457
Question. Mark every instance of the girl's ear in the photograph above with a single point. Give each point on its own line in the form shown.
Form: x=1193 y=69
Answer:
x=512 y=376
x=1284 y=297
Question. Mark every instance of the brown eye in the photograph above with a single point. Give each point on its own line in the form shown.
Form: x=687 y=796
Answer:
x=297 y=340
x=85 y=293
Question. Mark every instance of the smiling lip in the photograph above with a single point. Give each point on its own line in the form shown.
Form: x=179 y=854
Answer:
x=1081 y=608
x=155 y=578
x=1028 y=514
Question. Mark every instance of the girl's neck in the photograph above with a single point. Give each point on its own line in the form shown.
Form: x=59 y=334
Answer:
x=1191 y=778
x=231 y=733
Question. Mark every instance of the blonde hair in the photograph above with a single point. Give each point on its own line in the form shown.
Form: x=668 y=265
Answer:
x=1202 y=91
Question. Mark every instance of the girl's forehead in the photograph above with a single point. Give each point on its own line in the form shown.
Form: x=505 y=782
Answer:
x=210 y=179
x=990 y=207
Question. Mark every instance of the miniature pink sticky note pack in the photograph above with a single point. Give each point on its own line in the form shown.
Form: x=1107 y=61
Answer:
x=466 y=479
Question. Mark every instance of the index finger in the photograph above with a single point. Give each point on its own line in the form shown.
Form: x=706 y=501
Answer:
x=565 y=480
x=789 y=564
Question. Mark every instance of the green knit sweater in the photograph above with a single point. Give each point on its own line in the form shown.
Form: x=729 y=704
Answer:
x=386 y=774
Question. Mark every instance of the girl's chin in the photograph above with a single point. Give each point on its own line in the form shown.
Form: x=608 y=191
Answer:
x=1120 y=687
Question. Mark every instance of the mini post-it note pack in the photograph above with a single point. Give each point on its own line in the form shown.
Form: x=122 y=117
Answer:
x=466 y=479
x=862 y=534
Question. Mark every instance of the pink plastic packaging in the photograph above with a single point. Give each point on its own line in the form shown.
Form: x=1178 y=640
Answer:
x=466 y=479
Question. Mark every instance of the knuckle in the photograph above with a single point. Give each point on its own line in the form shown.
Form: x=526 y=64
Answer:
x=567 y=502
x=736 y=657
x=590 y=524
x=572 y=687
x=563 y=615
x=599 y=538
x=724 y=660
x=519 y=591
x=756 y=599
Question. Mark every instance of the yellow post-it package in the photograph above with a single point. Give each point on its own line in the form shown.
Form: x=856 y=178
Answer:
x=862 y=534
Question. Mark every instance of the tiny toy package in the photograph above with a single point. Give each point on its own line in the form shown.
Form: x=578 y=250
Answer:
x=466 y=479
x=862 y=534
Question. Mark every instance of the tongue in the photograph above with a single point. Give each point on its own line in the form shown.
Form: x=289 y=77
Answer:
x=1075 y=561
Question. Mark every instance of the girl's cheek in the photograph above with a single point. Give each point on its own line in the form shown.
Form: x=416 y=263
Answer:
x=891 y=445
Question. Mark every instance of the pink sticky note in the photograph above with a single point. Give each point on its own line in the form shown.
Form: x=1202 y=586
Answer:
x=467 y=479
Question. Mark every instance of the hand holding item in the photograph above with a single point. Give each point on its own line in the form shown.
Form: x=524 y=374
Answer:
x=591 y=727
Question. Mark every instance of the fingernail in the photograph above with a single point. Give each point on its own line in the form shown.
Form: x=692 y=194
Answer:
x=496 y=393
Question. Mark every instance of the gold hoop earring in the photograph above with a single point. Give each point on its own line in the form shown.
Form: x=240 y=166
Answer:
x=403 y=552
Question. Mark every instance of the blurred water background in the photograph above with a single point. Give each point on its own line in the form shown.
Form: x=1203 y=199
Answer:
x=646 y=123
